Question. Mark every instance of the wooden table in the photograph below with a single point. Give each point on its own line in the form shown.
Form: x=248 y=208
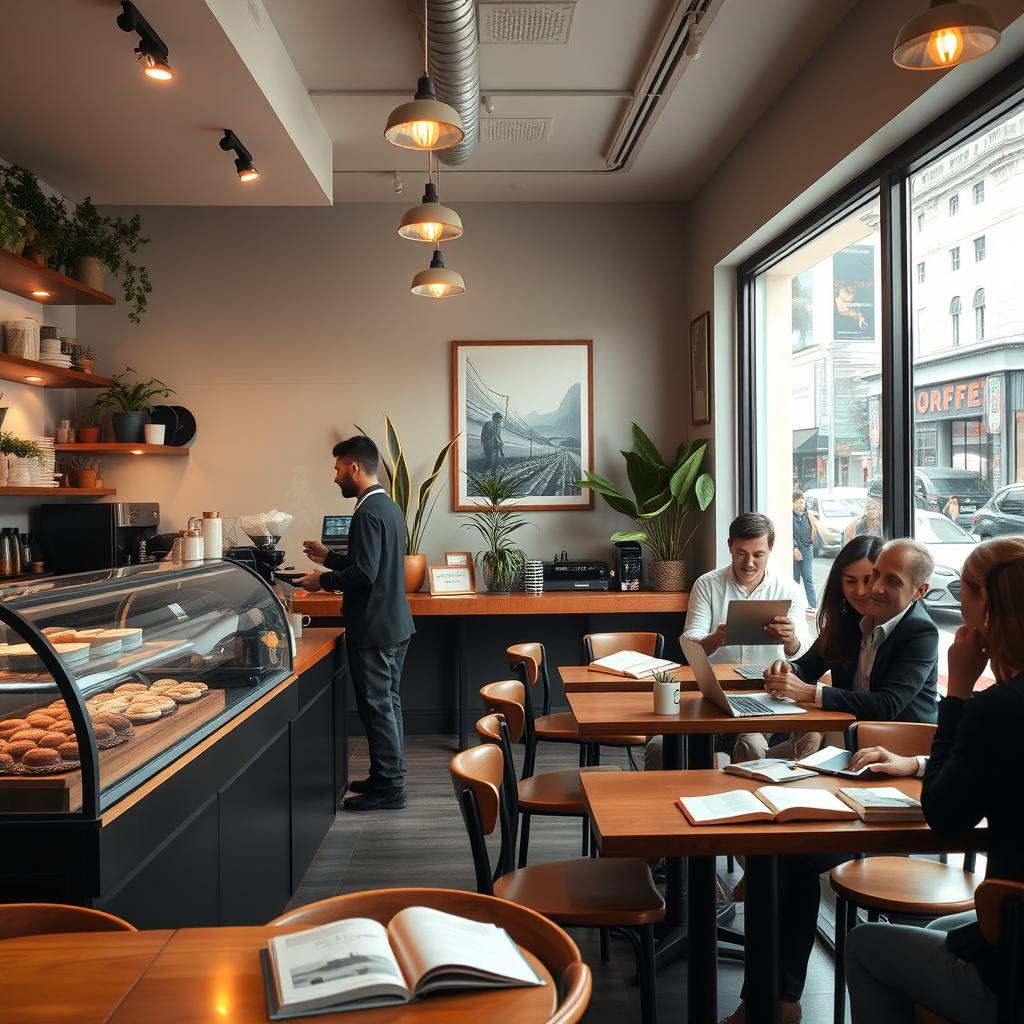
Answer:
x=201 y=975
x=634 y=815
x=583 y=679
x=459 y=607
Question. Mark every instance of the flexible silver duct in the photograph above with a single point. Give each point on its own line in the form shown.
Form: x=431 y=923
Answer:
x=453 y=65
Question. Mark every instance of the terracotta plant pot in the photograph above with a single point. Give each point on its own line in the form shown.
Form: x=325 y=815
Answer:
x=88 y=435
x=91 y=271
x=85 y=365
x=415 y=572
x=667 y=576
x=82 y=477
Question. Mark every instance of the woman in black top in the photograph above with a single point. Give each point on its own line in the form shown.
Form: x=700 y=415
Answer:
x=972 y=774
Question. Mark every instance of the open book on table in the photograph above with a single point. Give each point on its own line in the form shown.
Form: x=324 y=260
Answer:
x=632 y=664
x=832 y=761
x=768 y=769
x=359 y=963
x=769 y=803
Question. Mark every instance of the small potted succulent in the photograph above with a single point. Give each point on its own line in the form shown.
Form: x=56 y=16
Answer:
x=496 y=520
x=90 y=420
x=134 y=401
x=83 y=356
x=81 y=471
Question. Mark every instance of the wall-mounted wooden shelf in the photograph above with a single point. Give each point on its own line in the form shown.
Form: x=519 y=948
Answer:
x=23 y=277
x=19 y=370
x=118 y=448
x=57 y=492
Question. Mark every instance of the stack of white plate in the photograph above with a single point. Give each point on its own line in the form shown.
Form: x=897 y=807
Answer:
x=101 y=646
x=130 y=638
x=533 y=577
x=40 y=471
x=55 y=359
x=72 y=654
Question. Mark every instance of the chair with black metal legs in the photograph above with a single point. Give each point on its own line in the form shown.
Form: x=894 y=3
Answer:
x=584 y=892
x=903 y=886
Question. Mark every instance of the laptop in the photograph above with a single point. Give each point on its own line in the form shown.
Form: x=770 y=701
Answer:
x=334 y=536
x=746 y=706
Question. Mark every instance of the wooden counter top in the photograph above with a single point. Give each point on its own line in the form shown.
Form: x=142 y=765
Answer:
x=588 y=602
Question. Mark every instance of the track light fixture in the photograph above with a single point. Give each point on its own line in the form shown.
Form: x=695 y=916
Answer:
x=694 y=36
x=947 y=34
x=243 y=158
x=438 y=282
x=152 y=50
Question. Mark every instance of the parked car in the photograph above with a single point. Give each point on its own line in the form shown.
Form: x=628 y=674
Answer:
x=834 y=508
x=949 y=545
x=936 y=485
x=1002 y=514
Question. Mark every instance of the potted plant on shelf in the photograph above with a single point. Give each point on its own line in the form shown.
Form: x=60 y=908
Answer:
x=665 y=497
x=134 y=400
x=14 y=232
x=83 y=356
x=46 y=217
x=90 y=420
x=496 y=519
x=81 y=471
x=98 y=243
x=14 y=453
x=401 y=493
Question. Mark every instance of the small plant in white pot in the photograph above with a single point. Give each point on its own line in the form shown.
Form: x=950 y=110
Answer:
x=667 y=497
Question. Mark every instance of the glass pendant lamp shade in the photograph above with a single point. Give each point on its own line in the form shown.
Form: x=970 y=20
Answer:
x=430 y=221
x=438 y=282
x=947 y=34
x=425 y=123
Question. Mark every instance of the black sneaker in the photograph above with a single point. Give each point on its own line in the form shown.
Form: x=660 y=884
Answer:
x=391 y=800
x=367 y=785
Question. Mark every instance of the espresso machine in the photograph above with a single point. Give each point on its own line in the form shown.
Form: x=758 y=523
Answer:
x=263 y=556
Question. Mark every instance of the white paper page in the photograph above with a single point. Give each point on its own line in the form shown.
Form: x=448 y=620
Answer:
x=820 y=758
x=427 y=939
x=633 y=662
x=781 y=799
x=722 y=805
x=334 y=960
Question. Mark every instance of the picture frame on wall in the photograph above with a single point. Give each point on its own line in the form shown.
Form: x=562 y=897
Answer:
x=524 y=409
x=700 y=370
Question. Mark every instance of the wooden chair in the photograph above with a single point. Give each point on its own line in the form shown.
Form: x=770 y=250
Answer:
x=584 y=892
x=894 y=885
x=600 y=645
x=557 y=793
x=1001 y=917
x=530 y=666
x=20 y=919
x=530 y=930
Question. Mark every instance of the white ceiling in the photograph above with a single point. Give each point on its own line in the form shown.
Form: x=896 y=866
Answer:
x=302 y=80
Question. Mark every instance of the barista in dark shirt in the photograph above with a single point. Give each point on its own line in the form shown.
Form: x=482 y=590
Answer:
x=378 y=623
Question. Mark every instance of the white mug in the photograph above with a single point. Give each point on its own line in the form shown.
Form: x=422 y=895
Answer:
x=297 y=621
x=666 y=698
x=154 y=433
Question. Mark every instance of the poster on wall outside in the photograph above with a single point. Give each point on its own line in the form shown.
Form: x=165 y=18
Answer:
x=523 y=409
x=853 y=291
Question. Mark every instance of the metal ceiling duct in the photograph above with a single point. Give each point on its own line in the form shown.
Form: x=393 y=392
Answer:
x=454 y=66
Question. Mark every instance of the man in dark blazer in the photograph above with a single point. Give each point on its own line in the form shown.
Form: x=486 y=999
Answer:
x=378 y=623
x=892 y=679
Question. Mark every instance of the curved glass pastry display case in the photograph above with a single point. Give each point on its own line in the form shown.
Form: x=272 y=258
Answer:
x=106 y=678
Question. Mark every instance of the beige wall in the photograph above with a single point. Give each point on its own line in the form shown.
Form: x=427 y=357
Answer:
x=282 y=328
x=847 y=107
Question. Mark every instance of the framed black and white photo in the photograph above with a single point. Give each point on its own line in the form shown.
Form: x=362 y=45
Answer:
x=700 y=370
x=524 y=409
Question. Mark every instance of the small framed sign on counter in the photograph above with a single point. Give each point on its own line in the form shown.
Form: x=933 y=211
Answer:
x=452 y=579
x=458 y=558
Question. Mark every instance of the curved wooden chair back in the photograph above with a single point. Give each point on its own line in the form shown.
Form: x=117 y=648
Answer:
x=507 y=698
x=479 y=770
x=991 y=899
x=488 y=729
x=526 y=656
x=600 y=645
x=549 y=943
x=20 y=919
x=908 y=739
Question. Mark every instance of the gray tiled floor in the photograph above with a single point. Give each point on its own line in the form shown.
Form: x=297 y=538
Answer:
x=426 y=845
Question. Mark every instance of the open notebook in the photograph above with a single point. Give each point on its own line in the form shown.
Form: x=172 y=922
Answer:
x=769 y=803
x=632 y=664
x=357 y=963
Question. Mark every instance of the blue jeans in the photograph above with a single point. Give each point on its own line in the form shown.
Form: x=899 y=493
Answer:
x=376 y=674
x=804 y=570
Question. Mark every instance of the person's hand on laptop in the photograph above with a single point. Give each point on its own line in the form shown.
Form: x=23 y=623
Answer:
x=713 y=641
x=783 y=630
x=314 y=551
x=786 y=685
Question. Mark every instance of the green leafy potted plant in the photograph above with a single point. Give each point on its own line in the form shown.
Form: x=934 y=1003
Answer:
x=14 y=231
x=665 y=497
x=134 y=401
x=496 y=519
x=12 y=473
x=46 y=217
x=81 y=471
x=97 y=242
x=401 y=493
x=90 y=420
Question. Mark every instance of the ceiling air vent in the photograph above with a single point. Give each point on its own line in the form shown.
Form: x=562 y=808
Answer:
x=538 y=22
x=514 y=129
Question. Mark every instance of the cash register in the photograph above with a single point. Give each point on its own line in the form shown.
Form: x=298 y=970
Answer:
x=334 y=535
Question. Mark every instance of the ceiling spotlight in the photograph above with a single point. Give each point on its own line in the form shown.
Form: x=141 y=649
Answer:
x=39 y=293
x=947 y=34
x=438 y=282
x=694 y=36
x=425 y=122
x=152 y=50
x=397 y=184
x=243 y=158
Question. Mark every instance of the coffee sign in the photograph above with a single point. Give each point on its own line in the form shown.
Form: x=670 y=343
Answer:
x=949 y=401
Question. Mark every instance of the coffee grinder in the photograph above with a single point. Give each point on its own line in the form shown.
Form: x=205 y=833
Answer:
x=263 y=556
x=629 y=558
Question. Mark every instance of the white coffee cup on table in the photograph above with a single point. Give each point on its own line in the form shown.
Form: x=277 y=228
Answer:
x=297 y=621
x=666 y=698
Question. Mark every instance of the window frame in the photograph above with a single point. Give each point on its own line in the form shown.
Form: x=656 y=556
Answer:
x=954 y=205
x=978 y=192
x=889 y=181
x=980 y=252
x=954 y=258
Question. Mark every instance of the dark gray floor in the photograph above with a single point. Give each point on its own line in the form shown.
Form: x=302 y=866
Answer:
x=426 y=845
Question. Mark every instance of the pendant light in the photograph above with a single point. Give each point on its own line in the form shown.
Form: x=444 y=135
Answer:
x=425 y=122
x=947 y=34
x=438 y=282
x=430 y=221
